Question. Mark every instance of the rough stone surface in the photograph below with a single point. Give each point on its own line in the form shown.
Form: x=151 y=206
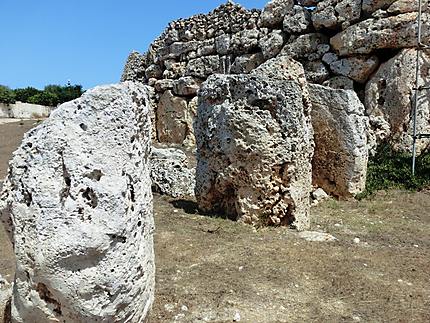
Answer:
x=134 y=69
x=186 y=86
x=174 y=119
x=333 y=14
x=357 y=68
x=246 y=63
x=170 y=172
x=316 y=72
x=274 y=12
x=5 y=300
x=341 y=152
x=79 y=199
x=298 y=21
x=390 y=95
x=370 y=6
x=340 y=83
x=305 y=46
x=404 y=6
x=254 y=145
x=393 y=32
x=272 y=44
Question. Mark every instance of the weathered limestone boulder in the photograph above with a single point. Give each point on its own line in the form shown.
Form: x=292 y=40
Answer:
x=202 y=67
x=134 y=69
x=246 y=63
x=390 y=95
x=274 y=12
x=333 y=14
x=272 y=44
x=186 y=86
x=170 y=172
x=254 y=145
x=306 y=47
x=392 y=32
x=174 y=120
x=339 y=164
x=316 y=72
x=370 y=6
x=298 y=21
x=357 y=68
x=404 y=6
x=80 y=205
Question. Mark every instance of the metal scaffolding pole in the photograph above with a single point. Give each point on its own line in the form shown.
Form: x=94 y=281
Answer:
x=418 y=89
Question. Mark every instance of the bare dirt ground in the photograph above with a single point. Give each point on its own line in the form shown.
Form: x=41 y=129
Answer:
x=215 y=270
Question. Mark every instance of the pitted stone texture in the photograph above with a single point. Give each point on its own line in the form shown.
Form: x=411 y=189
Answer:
x=272 y=44
x=340 y=83
x=316 y=72
x=339 y=164
x=186 y=86
x=134 y=69
x=390 y=95
x=357 y=68
x=170 y=172
x=298 y=21
x=254 y=145
x=305 y=47
x=387 y=33
x=79 y=197
x=404 y=6
x=370 y=6
x=246 y=63
x=203 y=67
x=274 y=12
x=174 y=120
x=335 y=14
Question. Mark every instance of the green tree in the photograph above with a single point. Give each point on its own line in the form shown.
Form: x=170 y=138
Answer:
x=44 y=98
x=24 y=94
x=6 y=95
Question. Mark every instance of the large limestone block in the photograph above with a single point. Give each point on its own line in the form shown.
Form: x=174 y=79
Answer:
x=306 y=47
x=334 y=14
x=339 y=164
x=174 y=120
x=386 y=33
x=370 y=6
x=254 y=145
x=274 y=12
x=170 y=172
x=404 y=6
x=79 y=198
x=357 y=68
x=298 y=21
x=390 y=95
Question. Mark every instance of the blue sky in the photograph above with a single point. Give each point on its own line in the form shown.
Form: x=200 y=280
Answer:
x=87 y=41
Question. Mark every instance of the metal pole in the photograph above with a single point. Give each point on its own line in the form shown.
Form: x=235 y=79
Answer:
x=417 y=91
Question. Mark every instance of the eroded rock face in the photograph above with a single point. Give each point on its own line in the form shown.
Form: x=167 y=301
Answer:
x=170 y=172
x=339 y=164
x=390 y=95
x=392 y=32
x=254 y=145
x=79 y=199
x=274 y=12
x=334 y=14
x=357 y=68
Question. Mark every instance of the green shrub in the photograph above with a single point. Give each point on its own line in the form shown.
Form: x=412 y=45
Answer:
x=6 y=95
x=390 y=169
x=25 y=94
x=44 y=98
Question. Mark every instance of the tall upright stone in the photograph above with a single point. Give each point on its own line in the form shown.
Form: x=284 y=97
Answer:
x=341 y=151
x=79 y=204
x=255 y=144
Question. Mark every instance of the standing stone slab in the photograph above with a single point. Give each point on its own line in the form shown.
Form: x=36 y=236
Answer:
x=341 y=152
x=80 y=205
x=390 y=95
x=254 y=145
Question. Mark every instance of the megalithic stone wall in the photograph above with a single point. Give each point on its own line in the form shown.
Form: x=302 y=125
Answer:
x=341 y=44
x=78 y=202
x=255 y=144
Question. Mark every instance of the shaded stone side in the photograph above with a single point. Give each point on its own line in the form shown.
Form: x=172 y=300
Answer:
x=78 y=201
x=339 y=165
